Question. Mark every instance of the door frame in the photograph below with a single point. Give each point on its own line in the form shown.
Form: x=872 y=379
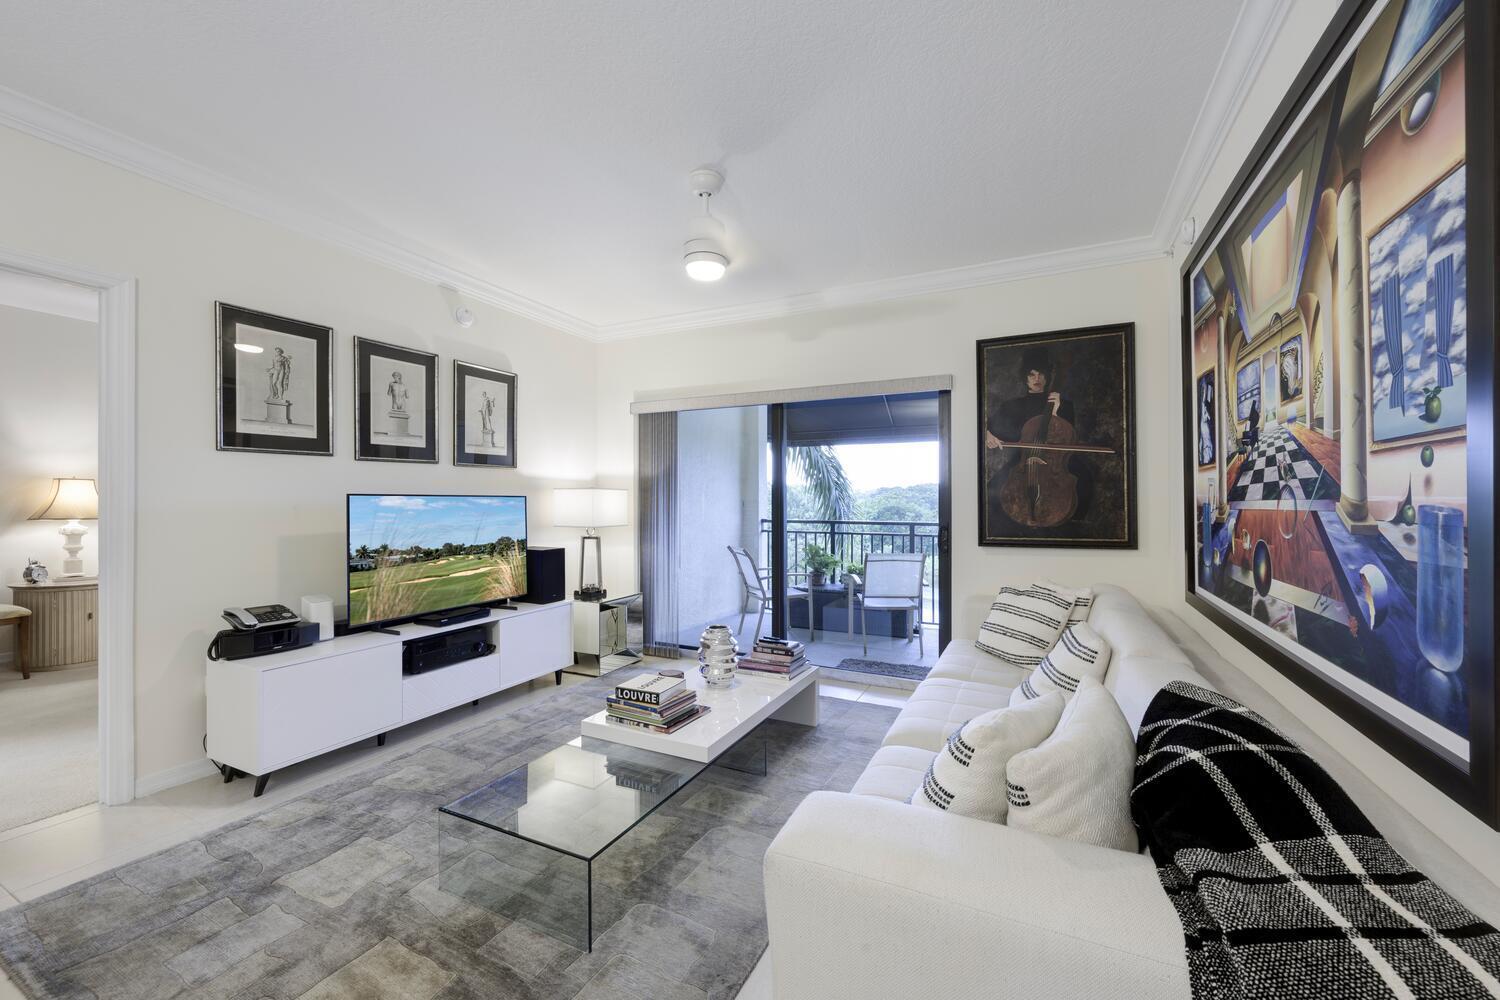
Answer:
x=117 y=470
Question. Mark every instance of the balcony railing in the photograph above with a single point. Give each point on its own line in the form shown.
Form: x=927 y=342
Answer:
x=852 y=541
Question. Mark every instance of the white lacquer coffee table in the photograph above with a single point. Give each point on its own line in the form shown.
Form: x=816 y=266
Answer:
x=736 y=710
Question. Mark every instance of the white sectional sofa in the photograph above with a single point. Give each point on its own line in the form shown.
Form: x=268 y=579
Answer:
x=870 y=897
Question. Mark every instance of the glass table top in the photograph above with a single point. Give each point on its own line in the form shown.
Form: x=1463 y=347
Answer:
x=578 y=798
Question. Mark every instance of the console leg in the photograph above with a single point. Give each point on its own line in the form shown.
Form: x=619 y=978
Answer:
x=557 y=676
x=380 y=740
x=260 y=784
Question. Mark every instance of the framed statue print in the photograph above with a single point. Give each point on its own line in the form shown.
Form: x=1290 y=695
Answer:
x=1057 y=438
x=275 y=383
x=1345 y=288
x=484 y=416
x=395 y=403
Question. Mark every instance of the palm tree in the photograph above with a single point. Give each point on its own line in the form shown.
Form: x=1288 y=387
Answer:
x=824 y=477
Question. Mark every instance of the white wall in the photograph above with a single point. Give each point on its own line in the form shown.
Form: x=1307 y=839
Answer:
x=933 y=335
x=222 y=528
x=1476 y=841
x=49 y=425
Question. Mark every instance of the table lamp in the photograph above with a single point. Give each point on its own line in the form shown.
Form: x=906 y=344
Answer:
x=589 y=509
x=72 y=500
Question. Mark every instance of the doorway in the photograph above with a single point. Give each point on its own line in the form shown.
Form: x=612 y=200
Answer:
x=111 y=536
x=49 y=418
x=778 y=512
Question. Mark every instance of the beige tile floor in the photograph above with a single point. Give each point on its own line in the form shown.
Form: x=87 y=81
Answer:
x=52 y=853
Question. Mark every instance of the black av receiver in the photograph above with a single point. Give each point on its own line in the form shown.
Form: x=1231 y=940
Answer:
x=238 y=643
x=444 y=649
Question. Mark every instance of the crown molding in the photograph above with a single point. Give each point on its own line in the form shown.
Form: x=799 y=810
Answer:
x=65 y=129
x=1250 y=41
x=906 y=286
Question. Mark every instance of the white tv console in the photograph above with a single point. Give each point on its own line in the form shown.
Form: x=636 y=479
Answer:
x=267 y=712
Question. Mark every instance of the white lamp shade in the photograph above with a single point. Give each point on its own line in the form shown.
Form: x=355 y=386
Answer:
x=71 y=500
x=589 y=508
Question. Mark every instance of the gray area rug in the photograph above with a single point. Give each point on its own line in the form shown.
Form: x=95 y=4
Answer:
x=335 y=895
x=914 y=672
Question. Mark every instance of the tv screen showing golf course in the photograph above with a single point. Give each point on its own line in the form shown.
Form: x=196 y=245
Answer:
x=414 y=555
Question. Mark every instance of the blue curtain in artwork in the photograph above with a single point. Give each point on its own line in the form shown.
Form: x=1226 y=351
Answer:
x=1443 y=295
x=1395 y=352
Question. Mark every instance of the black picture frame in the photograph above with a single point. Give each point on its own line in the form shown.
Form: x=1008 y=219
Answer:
x=468 y=431
x=1111 y=429
x=1473 y=784
x=298 y=409
x=379 y=435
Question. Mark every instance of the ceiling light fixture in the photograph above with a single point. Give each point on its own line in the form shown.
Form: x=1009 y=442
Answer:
x=703 y=254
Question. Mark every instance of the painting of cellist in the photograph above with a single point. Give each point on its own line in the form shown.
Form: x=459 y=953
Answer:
x=1057 y=439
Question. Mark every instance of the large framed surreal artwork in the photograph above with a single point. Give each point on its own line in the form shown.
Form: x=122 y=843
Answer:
x=1057 y=438
x=1340 y=484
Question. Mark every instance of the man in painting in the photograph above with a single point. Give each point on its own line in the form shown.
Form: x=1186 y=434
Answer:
x=487 y=420
x=1252 y=426
x=397 y=393
x=1206 y=424
x=280 y=375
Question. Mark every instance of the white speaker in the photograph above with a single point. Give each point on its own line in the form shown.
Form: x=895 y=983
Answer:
x=318 y=608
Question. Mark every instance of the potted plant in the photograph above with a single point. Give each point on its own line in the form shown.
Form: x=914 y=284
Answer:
x=854 y=573
x=819 y=562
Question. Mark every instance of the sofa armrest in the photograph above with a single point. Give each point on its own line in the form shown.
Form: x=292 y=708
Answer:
x=869 y=897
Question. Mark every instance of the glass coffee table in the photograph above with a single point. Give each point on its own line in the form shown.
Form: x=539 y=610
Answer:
x=524 y=845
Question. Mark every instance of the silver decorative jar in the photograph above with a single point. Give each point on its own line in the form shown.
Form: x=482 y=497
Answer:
x=718 y=654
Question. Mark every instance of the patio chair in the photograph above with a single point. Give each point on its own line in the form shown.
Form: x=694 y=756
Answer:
x=756 y=582
x=894 y=582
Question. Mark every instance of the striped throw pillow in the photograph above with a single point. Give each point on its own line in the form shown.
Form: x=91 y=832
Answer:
x=1082 y=598
x=1023 y=624
x=1080 y=653
x=967 y=777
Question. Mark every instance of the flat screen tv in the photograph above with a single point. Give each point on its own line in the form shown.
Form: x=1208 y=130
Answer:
x=419 y=555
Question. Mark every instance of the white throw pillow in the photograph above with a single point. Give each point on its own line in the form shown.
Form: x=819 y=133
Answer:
x=1083 y=599
x=967 y=777
x=1080 y=653
x=1076 y=784
x=1023 y=624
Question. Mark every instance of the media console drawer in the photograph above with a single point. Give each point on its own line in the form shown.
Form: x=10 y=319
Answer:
x=438 y=690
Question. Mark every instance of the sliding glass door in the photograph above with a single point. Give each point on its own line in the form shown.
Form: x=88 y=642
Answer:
x=822 y=521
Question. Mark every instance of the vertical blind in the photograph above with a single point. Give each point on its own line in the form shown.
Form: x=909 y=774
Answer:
x=657 y=465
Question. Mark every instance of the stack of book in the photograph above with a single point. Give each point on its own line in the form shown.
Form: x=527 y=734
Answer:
x=655 y=702
x=775 y=657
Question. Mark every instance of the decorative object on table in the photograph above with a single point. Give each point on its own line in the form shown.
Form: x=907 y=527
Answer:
x=718 y=652
x=775 y=657
x=395 y=403
x=1057 y=438
x=653 y=701
x=819 y=562
x=1287 y=911
x=484 y=416
x=72 y=500
x=34 y=572
x=590 y=509
x=1378 y=179
x=275 y=383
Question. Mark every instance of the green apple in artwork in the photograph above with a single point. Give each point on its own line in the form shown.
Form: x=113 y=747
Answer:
x=1428 y=456
x=1408 y=513
x=1432 y=405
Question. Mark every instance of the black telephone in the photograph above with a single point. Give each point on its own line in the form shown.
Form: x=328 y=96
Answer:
x=261 y=616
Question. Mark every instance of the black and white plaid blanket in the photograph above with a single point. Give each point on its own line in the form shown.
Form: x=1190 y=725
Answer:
x=1283 y=887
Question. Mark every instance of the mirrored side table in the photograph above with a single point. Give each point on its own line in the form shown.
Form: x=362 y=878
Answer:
x=606 y=634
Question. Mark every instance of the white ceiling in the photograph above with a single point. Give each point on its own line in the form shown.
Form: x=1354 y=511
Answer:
x=543 y=147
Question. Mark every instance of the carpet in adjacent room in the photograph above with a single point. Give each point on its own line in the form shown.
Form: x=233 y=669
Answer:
x=49 y=743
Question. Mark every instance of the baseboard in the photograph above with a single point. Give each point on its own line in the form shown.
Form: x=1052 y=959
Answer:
x=150 y=784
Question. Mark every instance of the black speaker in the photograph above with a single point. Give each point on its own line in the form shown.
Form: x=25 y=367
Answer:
x=546 y=573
